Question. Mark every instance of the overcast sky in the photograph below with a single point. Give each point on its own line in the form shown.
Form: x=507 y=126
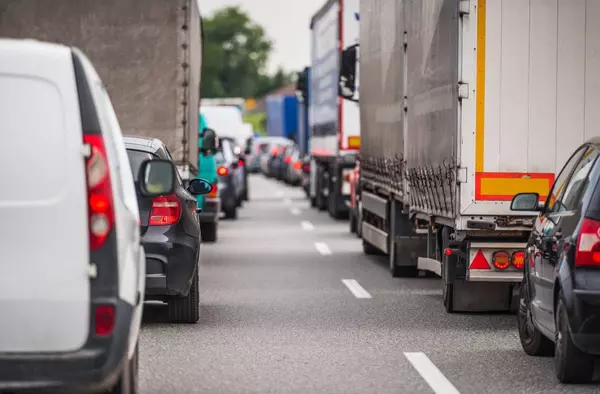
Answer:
x=286 y=23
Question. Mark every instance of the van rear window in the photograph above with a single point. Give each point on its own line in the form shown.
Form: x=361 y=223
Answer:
x=33 y=121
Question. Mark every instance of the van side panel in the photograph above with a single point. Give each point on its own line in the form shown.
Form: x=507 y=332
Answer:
x=44 y=282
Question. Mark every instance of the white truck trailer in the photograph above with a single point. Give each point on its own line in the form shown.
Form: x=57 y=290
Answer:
x=334 y=122
x=147 y=52
x=463 y=105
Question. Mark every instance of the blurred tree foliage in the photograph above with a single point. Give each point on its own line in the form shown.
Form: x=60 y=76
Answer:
x=236 y=52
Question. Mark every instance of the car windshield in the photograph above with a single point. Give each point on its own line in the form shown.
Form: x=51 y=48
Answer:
x=136 y=158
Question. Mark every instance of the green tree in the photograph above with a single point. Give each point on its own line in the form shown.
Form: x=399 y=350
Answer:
x=236 y=52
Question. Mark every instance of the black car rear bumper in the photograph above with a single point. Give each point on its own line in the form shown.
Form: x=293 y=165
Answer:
x=94 y=367
x=171 y=261
x=584 y=321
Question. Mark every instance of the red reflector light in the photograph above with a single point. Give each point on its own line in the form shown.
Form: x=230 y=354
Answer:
x=240 y=163
x=501 y=260
x=297 y=165
x=479 y=262
x=100 y=211
x=306 y=168
x=105 y=320
x=222 y=171
x=588 y=244
x=448 y=252
x=518 y=260
x=165 y=210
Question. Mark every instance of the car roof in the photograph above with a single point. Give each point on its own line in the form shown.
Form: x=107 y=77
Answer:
x=35 y=47
x=146 y=144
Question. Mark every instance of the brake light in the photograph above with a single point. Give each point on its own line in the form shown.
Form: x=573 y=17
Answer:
x=347 y=177
x=274 y=152
x=100 y=205
x=297 y=165
x=518 y=260
x=104 y=320
x=222 y=171
x=240 y=163
x=288 y=160
x=213 y=191
x=588 y=244
x=501 y=260
x=306 y=168
x=165 y=210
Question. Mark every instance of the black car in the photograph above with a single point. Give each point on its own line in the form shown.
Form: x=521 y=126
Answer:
x=560 y=295
x=170 y=233
x=231 y=179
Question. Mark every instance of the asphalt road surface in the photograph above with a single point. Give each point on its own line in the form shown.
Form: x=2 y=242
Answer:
x=289 y=304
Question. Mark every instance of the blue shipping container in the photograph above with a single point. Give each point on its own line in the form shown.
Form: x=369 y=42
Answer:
x=282 y=116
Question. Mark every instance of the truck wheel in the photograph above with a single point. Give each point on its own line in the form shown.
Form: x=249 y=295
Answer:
x=448 y=288
x=572 y=365
x=231 y=213
x=352 y=222
x=359 y=220
x=369 y=249
x=320 y=198
x=209 y=231
x=534 y=343
x=186 y=309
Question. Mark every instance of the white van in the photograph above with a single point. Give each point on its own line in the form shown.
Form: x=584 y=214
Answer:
x=72 y=272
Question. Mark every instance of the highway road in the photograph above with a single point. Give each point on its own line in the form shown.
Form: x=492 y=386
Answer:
x=291 y=305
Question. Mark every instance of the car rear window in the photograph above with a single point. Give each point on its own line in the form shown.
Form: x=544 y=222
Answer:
x=136 y=158
x=33 y=121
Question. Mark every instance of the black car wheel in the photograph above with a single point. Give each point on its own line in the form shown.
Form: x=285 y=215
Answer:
x=186 y=309
x=209 y=231
x=572 y=365
x=231 y=213
x=533 y=341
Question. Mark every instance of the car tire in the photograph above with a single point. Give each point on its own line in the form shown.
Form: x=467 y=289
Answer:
x=128 y=380
x=534 y=343
x=186 y=309
x=209 y=231
x=571 y=364
x=231 y=213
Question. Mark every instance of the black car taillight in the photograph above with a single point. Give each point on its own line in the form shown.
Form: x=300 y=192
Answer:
x=165 y=210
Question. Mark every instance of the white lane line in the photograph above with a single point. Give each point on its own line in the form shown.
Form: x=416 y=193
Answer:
x=307 y=226
x=287 y=201
x=356 y=288
x=295 y=211
x=429 y=372
x=323 y=248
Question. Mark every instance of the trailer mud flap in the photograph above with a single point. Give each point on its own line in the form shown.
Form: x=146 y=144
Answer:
x=375 y=236
x=408 y=249
x=374 y=204
x=483 y=296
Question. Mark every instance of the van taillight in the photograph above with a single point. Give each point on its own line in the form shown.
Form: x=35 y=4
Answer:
x=100 y=205
x=588 y=244
x=214 y=191
x=306 y=168
x=104 y=320
x=165 y=210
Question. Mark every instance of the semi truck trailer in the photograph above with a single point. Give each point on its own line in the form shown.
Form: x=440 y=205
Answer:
x=463 y=105
x=334 y=121
x=148 y=53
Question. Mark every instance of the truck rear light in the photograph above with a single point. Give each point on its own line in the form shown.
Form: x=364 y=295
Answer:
x=297 y=165
x=479 y=262
x=518 y=259
x=104 y=319
x=588 y=244
x=501 y=260
x=213 y=191
x=240 y=163
x=288 y=160
x=101 y=216
x=222 y=171
x=165 y=210
x=274 y=152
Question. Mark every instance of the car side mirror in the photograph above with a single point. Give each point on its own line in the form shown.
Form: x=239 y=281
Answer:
x=157 y=177
x=525 y=202
x=199 y=187
x=347 y=73
x=209 y=142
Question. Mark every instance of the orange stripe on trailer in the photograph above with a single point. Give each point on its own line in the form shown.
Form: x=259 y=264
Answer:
x=502 y=186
